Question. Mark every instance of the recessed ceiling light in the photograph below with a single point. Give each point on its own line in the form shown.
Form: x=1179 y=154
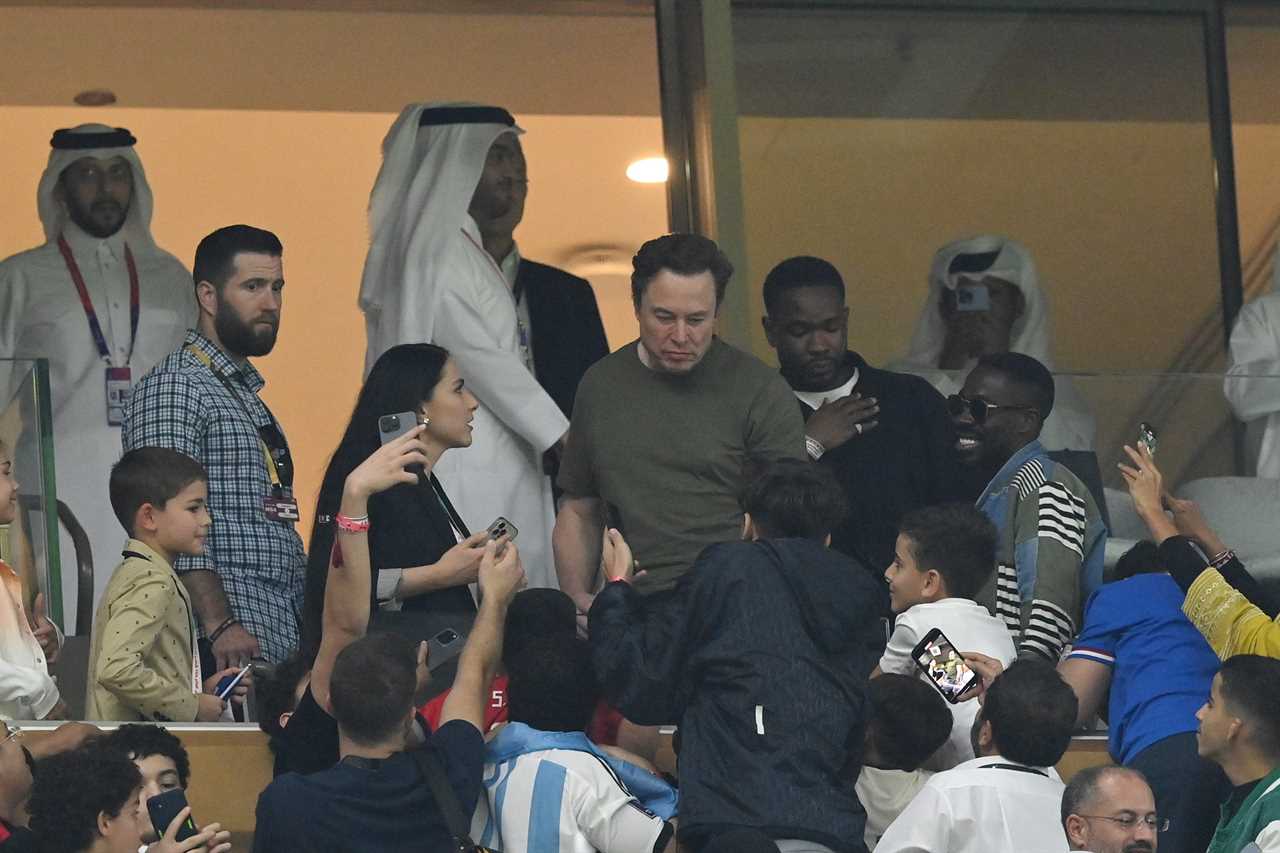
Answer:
x=95 y=98
x=650 y=170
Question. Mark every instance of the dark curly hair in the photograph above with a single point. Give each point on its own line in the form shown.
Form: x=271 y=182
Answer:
x=71 y=789
x=136 y=741
x=277 y=694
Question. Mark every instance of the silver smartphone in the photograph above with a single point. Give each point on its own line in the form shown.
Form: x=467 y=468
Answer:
x=391 y=427
x=502 y=527
x=444 y=647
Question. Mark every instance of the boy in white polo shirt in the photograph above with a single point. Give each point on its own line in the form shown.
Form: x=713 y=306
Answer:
x=943 y=556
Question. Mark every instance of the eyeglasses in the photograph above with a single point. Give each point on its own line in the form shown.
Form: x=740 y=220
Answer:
x=10 y=733
x=1130 y=821
x=978 y=408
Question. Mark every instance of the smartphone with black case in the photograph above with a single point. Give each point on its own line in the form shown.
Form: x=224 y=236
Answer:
x=164 y=807
x=942 y=664
x=444 y=647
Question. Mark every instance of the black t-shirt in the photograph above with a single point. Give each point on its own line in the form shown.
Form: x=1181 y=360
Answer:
x=309 y=743
x=353 y=808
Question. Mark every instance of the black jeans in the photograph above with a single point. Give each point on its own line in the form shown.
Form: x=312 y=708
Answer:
x=1188 y=791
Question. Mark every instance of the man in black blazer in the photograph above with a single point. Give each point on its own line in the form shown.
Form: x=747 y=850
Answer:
x=559 y=321
x=886 y=436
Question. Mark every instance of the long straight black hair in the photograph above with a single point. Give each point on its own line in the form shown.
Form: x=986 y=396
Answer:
x=402 y=379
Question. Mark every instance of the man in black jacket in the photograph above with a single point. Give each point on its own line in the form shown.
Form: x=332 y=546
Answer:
x=886 y=436
x=760 y=659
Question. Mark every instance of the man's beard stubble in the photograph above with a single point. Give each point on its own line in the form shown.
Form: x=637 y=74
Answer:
x=240 y=338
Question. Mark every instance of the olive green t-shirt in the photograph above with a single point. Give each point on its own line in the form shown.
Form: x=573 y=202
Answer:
x=668 y=451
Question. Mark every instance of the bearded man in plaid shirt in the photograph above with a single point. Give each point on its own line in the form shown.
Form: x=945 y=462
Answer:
x=202 y=400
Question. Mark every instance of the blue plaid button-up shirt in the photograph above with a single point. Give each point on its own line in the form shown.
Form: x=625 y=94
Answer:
x=183 y=406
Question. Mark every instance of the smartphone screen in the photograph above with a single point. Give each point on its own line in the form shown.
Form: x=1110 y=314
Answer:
x=941 y=663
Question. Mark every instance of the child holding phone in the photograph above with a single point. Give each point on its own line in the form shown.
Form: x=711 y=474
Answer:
x=943 y=556
x=143 y=660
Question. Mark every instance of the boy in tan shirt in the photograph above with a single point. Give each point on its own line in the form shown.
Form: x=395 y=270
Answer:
x=144 y=663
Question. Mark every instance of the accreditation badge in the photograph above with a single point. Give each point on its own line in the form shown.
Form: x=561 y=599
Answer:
x=281 y=506
x=119 y=383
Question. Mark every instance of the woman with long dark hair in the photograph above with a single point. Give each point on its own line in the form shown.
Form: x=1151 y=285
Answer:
x=422 y=555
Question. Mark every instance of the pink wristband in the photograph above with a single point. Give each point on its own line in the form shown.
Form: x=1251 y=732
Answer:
x=351 y=525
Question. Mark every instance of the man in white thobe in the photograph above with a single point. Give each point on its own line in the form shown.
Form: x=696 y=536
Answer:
x=103 y=304
x=1252 y=385
x=985 y=297
x=428 y=278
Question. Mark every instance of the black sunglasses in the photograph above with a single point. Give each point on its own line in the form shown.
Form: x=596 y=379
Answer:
x=978 y=408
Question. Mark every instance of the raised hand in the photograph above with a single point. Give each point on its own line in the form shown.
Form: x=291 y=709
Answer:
x=386 y=466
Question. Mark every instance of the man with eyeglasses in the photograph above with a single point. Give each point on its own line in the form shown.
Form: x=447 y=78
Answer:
x=1110 y=809
x=1049 y=557
x=1240 y=731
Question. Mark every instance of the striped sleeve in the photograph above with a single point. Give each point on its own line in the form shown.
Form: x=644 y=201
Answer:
x=1061 y=516
x=1051 y=524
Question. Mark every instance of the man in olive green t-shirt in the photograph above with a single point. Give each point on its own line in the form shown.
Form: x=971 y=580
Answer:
x=663 y=429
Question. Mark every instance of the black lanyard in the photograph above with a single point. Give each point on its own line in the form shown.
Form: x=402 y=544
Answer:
x=1020 y=768
x=275 y=448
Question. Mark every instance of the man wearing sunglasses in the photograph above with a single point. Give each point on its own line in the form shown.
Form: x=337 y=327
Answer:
x=1049 y=557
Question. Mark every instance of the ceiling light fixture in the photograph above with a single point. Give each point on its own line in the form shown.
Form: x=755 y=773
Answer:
x=650 y=170
x=95 y=98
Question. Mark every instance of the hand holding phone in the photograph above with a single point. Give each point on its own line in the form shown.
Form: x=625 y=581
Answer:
x=228 y=683
x=164 y=809
x=391 y=427
x=944 y=666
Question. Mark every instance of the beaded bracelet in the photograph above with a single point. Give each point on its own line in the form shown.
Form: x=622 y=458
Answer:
x=222 y=629
x=1222 y=559
x=352 y=525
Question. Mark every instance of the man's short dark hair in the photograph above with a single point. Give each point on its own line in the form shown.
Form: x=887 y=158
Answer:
x=72 y=788
x=795 y=273
x=955 y=539
x=372 y=687
x=1251 y=687
x=791 y=499
x=1142 y=559
x=534 y=614
x=136 y=741
x=150 y=475
x=551 y=685
x=216 y=255
x=1032 y=713
x=277 y=693
x=1026 y=372
x=909 y=721
x=1082 y=790
x=683 y=254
